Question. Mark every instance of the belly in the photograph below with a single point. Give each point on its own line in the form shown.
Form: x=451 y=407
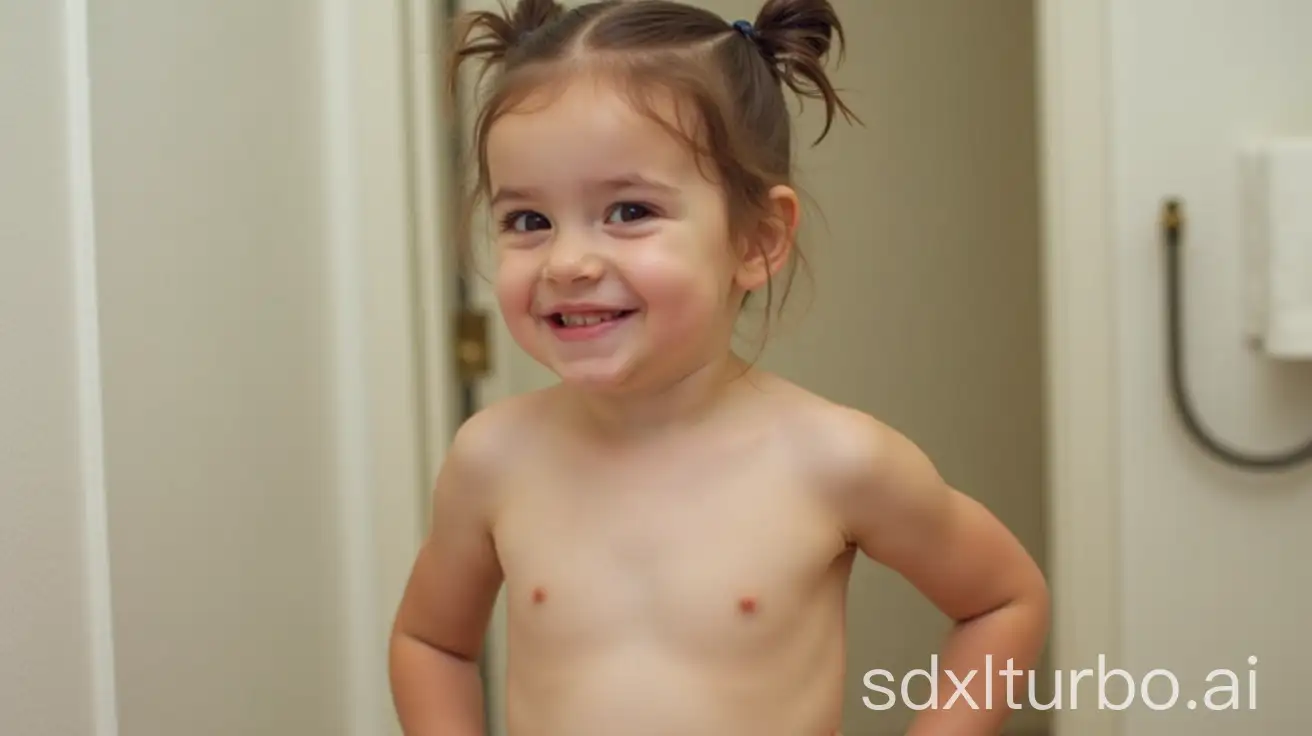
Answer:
x=645 y=687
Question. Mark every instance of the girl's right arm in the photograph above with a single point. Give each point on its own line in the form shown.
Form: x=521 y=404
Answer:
x=444 y=613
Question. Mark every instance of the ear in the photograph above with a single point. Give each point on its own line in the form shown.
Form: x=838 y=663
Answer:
x=766 y=249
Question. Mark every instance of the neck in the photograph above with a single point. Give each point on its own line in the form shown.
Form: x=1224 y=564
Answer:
x=671 y=405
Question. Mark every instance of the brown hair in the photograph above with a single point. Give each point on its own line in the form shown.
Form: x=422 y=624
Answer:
x=732 y=74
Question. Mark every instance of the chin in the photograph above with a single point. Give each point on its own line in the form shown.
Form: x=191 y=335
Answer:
x=596 y=376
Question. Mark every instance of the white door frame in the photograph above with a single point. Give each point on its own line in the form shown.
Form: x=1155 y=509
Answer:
x=1074 y=49
x=393 y=302
x=1083 y=483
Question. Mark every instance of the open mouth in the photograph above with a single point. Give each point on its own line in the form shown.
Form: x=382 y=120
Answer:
x=588 y=319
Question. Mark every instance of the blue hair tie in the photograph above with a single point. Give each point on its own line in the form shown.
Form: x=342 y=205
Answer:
x=745 y=28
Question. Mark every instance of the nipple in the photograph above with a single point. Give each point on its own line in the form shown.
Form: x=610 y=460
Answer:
x=747 y=605
x=539 y=594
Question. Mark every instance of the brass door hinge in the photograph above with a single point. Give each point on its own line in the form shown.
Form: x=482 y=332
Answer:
x=473 y=359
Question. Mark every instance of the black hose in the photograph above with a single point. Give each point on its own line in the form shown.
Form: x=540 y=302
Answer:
x=1172 y=230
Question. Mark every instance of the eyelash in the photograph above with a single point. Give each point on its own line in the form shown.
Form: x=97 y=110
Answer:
x=507 y=222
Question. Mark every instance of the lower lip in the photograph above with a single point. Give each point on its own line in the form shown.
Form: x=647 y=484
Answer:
x=580 y=333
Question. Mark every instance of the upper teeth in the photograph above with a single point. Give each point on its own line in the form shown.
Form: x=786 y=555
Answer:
x=584 y=320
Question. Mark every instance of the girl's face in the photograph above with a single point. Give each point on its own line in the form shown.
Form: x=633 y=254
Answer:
x=614 y=263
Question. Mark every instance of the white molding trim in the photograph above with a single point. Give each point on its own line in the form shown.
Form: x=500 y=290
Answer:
x=1080 y=287
x=434 y=264
x=390 y=372
x=360 y=664
x=499 y=383
x=95 y=538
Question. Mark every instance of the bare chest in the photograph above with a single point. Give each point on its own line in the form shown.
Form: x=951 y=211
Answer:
x=714 y=567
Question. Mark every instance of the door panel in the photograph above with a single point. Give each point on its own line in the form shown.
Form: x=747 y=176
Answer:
x=922 y=306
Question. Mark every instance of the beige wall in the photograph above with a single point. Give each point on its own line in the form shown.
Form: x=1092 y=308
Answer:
x=246 y=334
x=1213 y=557
x=45 y=684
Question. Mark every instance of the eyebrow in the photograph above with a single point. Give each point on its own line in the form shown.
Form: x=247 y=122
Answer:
x=629 y=181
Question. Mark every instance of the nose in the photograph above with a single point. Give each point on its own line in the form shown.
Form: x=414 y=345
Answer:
x=571 y=258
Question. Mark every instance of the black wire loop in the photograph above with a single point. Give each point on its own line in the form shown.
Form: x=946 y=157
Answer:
x=1173 y=237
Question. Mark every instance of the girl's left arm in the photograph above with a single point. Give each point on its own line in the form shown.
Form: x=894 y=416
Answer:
x=899 y=511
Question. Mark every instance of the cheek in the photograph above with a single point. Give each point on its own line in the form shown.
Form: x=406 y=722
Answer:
x=680 y=292
x=515 y=278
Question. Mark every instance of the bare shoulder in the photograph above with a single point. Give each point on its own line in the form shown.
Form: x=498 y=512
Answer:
x=470 y=487
x=869 y=460
x=880 y=481
x=480 y=443
x=457 y=573
x=897 y=507
x=847 y=451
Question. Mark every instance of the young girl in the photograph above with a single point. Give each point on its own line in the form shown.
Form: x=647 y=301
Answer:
x=674 y=528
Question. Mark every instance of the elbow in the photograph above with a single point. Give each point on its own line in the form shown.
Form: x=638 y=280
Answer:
x=1039 y=600
x=1031 y=609
x=403 y=640
x=1039 y=595
x=1033 y=599
x=1030 y=594
x=1026 y=610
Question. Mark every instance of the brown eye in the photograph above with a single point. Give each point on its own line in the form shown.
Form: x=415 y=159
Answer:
x=525 y=222
x=628 y=212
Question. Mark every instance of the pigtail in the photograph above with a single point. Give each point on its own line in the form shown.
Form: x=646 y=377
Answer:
x=490 y=36
x=797 y=36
